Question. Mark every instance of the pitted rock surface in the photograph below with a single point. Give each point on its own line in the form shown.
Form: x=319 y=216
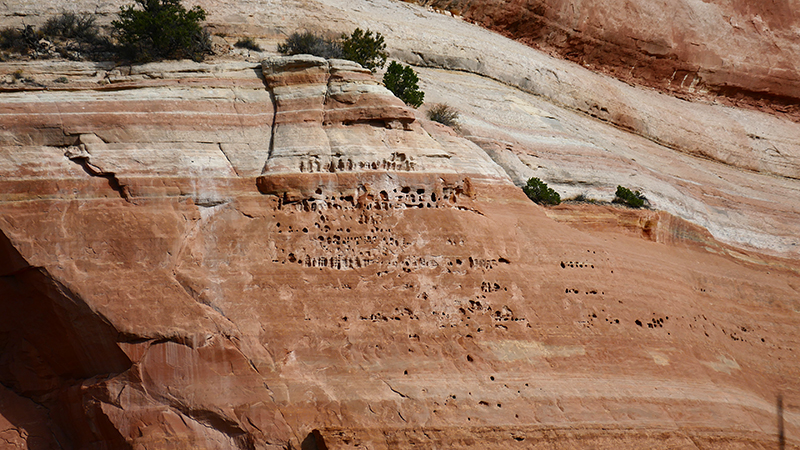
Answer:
x=188 y=258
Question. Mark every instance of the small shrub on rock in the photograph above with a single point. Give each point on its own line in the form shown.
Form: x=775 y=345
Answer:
x=366 y=48
x=21 y=40
x=162 y=29
x=538 y=191
x=403 y=82
x=444 y=114
x=11 y=39
x=248 y=43
x=80 y=27
x=72 y=36
x=308 y=43
x=633 y=199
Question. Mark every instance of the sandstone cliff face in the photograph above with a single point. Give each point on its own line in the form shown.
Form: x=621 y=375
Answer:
x=735 y=52
x=532 y=129
x=190 y=260
x=743 y=51
x=422 y=38
x=279 y=254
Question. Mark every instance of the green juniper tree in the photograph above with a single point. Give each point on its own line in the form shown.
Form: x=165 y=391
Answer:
x=366 y=48
x=633 y=199
x=538 y=191
x=402 y=81
x=161 y=29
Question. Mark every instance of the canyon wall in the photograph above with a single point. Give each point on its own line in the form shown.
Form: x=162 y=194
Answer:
x=734 y=52
x=746 y=53
x=261 y=252
x=282 y=255
x=520 y=107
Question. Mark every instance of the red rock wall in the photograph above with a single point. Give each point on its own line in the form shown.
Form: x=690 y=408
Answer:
x=479 y=323
x=745 y=52
x=161 y=290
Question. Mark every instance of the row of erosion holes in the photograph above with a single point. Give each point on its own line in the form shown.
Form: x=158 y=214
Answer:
x=655 y=322
x=407 y=197
x=321 y=224
x=483 y=403
x=575 y=291
x=348 y=165
x=504 y=314
x=591 y=317
x=342 y=261
x=734 y=335
x=658 y=322
x=579 y=265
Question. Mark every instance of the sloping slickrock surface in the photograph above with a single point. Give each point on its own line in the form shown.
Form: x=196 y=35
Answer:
x=735 y=137
x=745 y=52
x=741 y=139
x=577 y=155
x=161 y=289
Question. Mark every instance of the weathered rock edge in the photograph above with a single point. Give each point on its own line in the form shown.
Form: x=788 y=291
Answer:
x=739 y=53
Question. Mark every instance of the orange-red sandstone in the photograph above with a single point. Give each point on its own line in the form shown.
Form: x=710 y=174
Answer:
x=160 y=290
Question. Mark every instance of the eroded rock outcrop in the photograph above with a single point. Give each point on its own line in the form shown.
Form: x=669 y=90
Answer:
x=735 y=137
x=173 y=276
x=333 y=116
x=582 y=157
x=282 y=255
x=743 y=52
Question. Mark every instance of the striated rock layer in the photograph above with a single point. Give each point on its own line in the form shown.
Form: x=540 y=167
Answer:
x=580 y=156
x=740 y=138
x=239 y=256
x=744 y=52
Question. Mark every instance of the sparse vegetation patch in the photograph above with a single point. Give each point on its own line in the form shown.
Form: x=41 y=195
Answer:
x=80 y=27
x=633 y=199
x=538 y=191
x=20 y=40
x=364 y=47
x=71 y=36
x=308 y=43
x=162 y=29
x=248 y=43
x=444 y=114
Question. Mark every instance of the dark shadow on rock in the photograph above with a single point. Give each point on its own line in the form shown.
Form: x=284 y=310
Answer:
x=51 y=341
x=314 y=441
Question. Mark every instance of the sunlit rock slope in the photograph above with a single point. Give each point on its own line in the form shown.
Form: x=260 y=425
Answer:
x=261 y=252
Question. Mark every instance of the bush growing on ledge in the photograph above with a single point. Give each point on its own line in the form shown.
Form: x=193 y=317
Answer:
x=308 y=43
x=20 y=39
x=72 y=26
x=248 y=43
x=72 y=36
x=632 y=199
x=365 y=48
x=162 y=29
x=538 y=191
x=444 y=114
x=402 y=81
